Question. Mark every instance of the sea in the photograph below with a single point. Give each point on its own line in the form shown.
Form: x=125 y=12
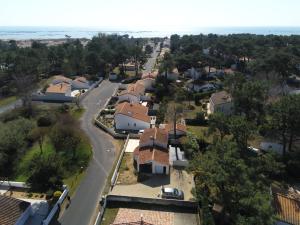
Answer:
x=25 y=33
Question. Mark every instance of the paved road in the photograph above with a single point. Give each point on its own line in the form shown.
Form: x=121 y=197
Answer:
x=151 y=61
x=85 y=200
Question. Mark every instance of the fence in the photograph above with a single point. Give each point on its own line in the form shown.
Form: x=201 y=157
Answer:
x=13 y=184
x=116 y=171
x=56 y=207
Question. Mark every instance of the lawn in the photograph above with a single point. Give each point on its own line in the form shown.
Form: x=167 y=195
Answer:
x=72 y=177
x=7 y=101
x=77 y=112
x=109 y=216
x=201 y=133
x=23 y=166
x=127 y=172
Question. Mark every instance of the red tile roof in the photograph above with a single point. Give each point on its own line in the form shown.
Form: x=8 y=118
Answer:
x=11 y=209
x=170 y=127
x=147 y=154
x=136 y=89
x=157 y=134
x=58 y=88
x=133 y=110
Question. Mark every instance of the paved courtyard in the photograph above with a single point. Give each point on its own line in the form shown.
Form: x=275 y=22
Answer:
x=151 y=187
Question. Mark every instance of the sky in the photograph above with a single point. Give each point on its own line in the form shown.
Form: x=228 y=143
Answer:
x=150 y=14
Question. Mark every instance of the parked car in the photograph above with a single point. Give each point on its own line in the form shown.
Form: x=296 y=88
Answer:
x=171 y=193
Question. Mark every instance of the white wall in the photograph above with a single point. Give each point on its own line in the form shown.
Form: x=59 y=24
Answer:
x=130 y=98
x=123 y=122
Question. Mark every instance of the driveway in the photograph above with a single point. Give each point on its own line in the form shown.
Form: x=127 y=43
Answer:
x=150 y=188
x=82 y=209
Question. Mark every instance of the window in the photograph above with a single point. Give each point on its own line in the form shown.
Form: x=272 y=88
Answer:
x=135 y=124
x=128 y=124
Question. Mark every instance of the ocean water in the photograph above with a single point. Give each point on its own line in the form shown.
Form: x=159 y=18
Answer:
x=22 y=33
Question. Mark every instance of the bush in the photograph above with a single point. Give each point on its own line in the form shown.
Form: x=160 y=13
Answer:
x=191 y=107
x=57 y=194
x=45 y=120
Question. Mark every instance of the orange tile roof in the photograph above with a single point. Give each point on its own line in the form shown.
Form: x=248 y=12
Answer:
x=133 y=110
x=287 y=209
x=152 y=75
x=159 y=135
x=170 y=127
x=147 y=154
x=58 y=88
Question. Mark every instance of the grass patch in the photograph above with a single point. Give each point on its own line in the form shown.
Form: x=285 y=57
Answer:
x=77 y=112
x=201 y=133
x=127 y=172
x=109 y=216
x=73 y=181
x=23 y=166
x=7 y=101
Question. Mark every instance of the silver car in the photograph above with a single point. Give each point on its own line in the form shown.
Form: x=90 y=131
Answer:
x=171 y=193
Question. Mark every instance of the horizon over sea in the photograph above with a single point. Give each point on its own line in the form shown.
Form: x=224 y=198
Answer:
x=47 y=32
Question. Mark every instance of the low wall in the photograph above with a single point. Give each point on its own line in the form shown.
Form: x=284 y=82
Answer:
x=14 y=184
x=181 y=163
x=116 y=171
x=56 y=207
x=48 y=98
x=152 y=201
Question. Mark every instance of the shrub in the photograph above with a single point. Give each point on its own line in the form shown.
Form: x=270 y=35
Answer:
x=57 y=194
x=45 y=120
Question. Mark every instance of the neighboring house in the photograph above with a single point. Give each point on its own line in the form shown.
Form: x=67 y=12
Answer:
x=193 y=73
x=132 y=116
x=271 y=147
x=113 y=76
x=221 y=102
x=59 y=92
x=180 y=129
x=14 y=211
x=201 y=88
x=148 y=80
x=61 y=79
x=152 y=154
x=80 y=83
x=129 y=66
x=133 y=93
x=154 y=137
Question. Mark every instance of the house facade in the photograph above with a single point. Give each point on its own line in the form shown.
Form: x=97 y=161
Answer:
x=152 y=154
x=221 y=102
x=133 y=93
x=131 y=117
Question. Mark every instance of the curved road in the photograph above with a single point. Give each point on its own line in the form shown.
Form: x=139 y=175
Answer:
x=84 y=203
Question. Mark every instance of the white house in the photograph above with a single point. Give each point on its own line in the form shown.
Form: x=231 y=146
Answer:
x=131 y=116
x=220 y=102
x=201 y=88
x=148 y=80
x=14 y=211
x=133 y=93
x=152 y=154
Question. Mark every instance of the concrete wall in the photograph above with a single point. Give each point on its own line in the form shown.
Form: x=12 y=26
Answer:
x=23 y=218
x=123 y=122
x=152 y=201
x=52 y=97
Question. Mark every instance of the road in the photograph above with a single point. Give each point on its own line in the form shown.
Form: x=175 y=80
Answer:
x=84 y=202
x=151 y=61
